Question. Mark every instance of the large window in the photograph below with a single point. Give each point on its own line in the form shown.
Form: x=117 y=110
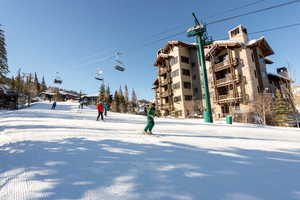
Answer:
x=186 y=72
x=173 y=60
x=187 y=85
x=175 y=73
x=185 y=60
x=176 y=85
x=177 y=98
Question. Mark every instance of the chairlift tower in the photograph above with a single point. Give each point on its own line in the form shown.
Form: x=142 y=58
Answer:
x=199 y=31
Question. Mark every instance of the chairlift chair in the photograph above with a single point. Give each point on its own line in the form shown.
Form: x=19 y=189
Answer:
x=98 y=75
x=119 y=68
x=57 y=79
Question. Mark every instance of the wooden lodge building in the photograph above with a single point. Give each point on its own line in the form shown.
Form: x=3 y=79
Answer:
x=237 y=72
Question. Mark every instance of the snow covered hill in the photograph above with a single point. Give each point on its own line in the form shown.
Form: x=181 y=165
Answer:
x=65 y=154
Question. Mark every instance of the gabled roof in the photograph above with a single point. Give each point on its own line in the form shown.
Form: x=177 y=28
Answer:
x=262 y=44
x=163 y=54
x=279 y=76
x=219 y=44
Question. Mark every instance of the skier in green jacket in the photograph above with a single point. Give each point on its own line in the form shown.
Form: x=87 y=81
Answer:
x=150 y=120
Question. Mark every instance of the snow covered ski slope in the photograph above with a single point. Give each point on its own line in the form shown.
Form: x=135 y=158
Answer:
x=66 y=154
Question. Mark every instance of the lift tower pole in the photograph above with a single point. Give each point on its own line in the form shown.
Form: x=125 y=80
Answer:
x=199 y=30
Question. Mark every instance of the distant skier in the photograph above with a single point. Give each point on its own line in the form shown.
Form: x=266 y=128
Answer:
x=106 y=108
x=53 y=105
x=150 y=120
x=100 y=111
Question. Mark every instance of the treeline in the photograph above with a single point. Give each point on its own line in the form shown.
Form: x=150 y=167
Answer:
x=28 y=84
x=120 y=100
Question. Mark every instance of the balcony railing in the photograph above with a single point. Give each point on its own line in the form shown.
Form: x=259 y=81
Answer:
x=225 y=64
x=227 y=79
x=228 y=97
x=223 y=80
x=165 y=106
x=166 y=94
x=165 y=82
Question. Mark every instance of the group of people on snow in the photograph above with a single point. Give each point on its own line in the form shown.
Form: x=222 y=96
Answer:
x=102 y=108
x=150 y=112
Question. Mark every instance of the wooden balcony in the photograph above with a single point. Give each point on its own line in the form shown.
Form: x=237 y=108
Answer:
x=165 y=82
x=166 y=106
x=225 y=64
x=229 y=98
x=166 y=94
x=227 y=80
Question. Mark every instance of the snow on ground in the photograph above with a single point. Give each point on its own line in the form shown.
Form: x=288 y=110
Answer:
x=65 y=154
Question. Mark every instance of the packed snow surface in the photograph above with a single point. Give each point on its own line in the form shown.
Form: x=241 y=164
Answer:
x=66 y=154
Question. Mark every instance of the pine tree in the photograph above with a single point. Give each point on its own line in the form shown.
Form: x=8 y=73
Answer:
x=37 y=85
x=19 y=82
x=102 y=93
x=43 y=85
x=122 y=100
x=116 y=102
x=108 y=100
x=134 y=100
x=281 y=111
x=126 y=94
x=3 y=56
x=13 y=83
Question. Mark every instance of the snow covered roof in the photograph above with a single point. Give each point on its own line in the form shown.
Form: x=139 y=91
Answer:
x=268 y=61
x=226 y=43
x=279 y=76
x=7 y=90
x=263 y=44
x=92 y=95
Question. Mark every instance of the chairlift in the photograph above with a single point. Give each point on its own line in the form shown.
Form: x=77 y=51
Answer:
x=58 y=79
x=99 y=74
x=119 y=68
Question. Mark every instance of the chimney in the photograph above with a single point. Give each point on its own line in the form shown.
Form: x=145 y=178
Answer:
x=239 y=34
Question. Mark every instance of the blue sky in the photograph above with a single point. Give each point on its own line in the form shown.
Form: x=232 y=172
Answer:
x=74 y=37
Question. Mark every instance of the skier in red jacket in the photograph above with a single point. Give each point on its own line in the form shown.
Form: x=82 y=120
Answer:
x=100 y=111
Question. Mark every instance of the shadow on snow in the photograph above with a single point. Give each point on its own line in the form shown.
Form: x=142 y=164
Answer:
x=112 y=169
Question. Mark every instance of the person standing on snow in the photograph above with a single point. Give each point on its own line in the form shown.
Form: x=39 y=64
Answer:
x=100 y=111
x=53 y=105
x=150 y=119
x=106 y=108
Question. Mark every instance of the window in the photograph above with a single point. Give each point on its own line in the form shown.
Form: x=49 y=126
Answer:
x=188 y=98
x=252 y=56
x=175 y=73
x=185 y=60
x=194 y=77
x=193 y=64
x=177 y=98
x=186 y=72
x=255 y=73
x=173 y=60
x=176 y=86
x=187 y=85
